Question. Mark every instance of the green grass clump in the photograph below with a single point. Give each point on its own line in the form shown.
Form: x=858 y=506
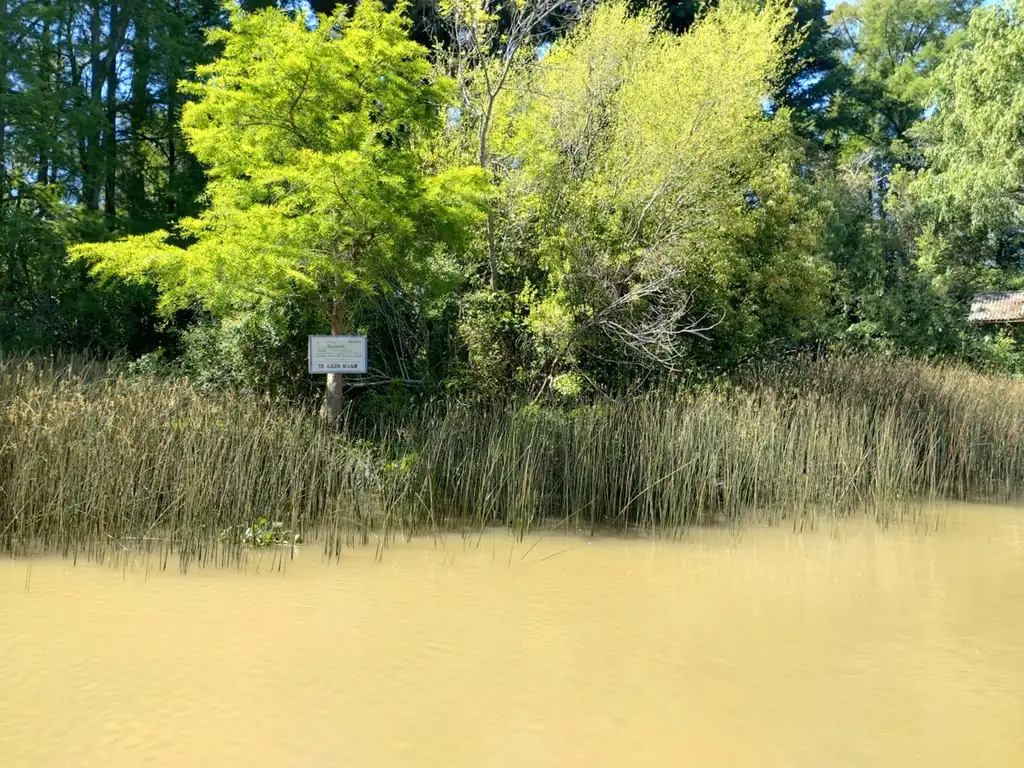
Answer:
x=94 y=463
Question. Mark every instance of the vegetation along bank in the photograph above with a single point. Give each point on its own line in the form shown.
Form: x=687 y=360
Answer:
x=594 y=247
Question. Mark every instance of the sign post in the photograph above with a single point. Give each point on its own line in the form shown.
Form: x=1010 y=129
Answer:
x=337 y=354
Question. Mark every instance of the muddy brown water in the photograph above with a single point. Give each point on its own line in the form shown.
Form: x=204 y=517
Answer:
x=846 y=646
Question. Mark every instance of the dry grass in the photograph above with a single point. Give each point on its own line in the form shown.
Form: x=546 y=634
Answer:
x=790 y=443
x=93 y=464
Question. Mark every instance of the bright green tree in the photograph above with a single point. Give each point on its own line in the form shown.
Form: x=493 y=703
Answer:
x=649 y=203
x=318 y=187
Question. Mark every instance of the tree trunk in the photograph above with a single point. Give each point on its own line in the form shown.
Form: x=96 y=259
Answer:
x=4 y=66
x=110 y=129
x=46 y=72
x=172 y=135
x=90 y=145
x=492 y=258
x=334 y=398
x=135 y=184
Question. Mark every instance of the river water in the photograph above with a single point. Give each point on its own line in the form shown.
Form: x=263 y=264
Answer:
x=846 y=646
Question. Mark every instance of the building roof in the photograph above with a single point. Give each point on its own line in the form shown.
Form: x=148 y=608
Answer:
x=998 y=308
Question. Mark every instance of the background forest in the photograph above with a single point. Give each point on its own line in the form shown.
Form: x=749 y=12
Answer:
x=527 y=198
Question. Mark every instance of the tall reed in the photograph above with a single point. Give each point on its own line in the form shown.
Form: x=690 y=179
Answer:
x=94 y=463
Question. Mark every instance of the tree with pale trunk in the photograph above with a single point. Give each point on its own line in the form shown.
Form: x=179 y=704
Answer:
x=657 y=191
x=492 y=41
x=319 y=186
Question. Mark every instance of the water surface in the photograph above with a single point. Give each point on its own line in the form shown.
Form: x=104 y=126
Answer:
x=848 y=646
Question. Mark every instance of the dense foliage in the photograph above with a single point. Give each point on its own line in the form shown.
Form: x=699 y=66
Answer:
x=531 y=197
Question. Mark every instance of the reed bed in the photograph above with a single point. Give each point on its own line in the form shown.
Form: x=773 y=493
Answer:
x=96 y=464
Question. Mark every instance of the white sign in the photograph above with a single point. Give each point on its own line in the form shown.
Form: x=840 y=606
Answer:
x=337 y=354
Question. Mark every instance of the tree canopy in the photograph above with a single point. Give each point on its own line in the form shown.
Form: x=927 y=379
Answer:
x=529 y=197
x=655 y=184
x=315 y=182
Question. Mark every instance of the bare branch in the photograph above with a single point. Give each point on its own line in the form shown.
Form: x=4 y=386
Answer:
x=652 y=319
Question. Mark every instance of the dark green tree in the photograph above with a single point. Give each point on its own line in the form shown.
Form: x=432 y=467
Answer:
x=890 y=50
x=90 y=147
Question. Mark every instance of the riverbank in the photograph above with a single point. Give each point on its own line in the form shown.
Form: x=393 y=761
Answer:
x=91 y=459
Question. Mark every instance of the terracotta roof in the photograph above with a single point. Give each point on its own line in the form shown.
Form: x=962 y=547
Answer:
x=998 y=308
